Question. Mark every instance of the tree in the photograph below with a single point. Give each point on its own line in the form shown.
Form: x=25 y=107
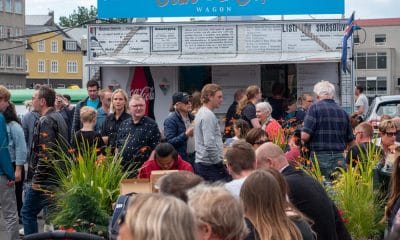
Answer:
x=82 y=16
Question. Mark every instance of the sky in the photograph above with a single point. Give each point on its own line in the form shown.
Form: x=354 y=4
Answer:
x=364 y=8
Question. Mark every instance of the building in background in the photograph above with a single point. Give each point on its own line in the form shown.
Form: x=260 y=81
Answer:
x=52 y=56
x=12 y=48
x=377 y=56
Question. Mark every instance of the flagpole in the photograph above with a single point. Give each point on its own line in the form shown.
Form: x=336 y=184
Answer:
x=352 y=74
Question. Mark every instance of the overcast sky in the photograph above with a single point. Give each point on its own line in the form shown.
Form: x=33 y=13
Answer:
x=364 y=8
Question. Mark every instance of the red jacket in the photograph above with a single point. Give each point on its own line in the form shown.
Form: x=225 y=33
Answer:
x=151 y=165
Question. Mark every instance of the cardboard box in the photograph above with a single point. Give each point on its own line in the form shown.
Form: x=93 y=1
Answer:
x=155 y=175
x=135 y=185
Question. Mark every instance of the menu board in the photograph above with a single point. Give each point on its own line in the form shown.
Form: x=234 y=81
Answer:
x=217 y=38
x=209 y=39
x=165 y=39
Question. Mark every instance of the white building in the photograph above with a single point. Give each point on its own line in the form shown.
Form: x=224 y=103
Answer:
x=377 y=56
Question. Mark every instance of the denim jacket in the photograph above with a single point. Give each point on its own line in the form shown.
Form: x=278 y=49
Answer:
x=16 y=143
x=174 y=130
x=5 y=162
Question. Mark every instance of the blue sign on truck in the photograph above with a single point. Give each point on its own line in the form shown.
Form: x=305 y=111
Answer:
x=193 y=8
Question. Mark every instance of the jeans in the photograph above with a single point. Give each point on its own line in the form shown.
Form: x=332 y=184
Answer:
x=9 y=209
x=213 y=172
x=35 y=201
x=328 y=162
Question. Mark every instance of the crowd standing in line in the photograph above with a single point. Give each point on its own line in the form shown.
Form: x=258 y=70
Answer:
x=261 y=194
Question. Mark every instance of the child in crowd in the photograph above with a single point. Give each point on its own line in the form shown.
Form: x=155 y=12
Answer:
x=86 y=137
x=240 y=128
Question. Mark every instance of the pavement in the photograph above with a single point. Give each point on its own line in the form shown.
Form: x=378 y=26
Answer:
x=2 y=227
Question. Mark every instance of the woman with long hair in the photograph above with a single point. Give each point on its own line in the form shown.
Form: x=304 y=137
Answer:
x=265 y=209
x=393 y=204
x=18 y=150
x=303 y=223
x=247 y=106
x=118 y=113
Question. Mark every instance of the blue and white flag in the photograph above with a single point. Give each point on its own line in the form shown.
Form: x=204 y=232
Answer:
x=348 y=31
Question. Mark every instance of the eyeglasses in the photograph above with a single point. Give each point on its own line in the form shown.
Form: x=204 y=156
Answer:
x=390 y=134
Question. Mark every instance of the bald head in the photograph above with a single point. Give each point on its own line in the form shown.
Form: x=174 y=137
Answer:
x=270 y=155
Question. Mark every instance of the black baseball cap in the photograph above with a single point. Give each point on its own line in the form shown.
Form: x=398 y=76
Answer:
x=180 y=97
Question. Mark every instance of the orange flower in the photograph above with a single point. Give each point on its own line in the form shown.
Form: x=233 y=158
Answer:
x=144 y=149
x=79 y=158
x=71 y=150
x=100 y=160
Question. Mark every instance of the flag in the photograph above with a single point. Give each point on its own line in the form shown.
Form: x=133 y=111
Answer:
x=348 y=31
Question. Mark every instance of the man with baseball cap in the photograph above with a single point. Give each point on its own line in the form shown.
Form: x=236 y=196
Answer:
x=178 y=127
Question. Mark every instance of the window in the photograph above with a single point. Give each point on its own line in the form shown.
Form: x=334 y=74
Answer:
x=26 y=65
x=72 y=67
x=381 y=60
x=373 y=85
x=380 y=39
x=1 y=60
x=9 y=32
x=361 y=61
x=9 y=60
x=1 y=31
x=18 y=6
x=41 y=46
x=41 y=66
x=371 y=60
x=8 y=6
x=1 y=6
x=70 y=45
x=54 y=46
x=54 y=66
x=18 y=61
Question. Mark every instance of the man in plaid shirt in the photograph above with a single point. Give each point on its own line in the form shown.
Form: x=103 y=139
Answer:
x=327 y=129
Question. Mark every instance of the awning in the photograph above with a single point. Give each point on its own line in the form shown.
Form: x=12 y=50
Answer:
x=216 y=59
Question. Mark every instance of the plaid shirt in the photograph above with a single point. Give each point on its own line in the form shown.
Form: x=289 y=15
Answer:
x=329 y=127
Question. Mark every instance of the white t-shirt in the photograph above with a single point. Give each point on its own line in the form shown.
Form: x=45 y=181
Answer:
x=235 y=185
x=362 y=101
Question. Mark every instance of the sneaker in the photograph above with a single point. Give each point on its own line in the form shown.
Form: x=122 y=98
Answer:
x=21 y=232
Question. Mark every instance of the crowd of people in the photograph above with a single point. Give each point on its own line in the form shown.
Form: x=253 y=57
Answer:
x=241 y=182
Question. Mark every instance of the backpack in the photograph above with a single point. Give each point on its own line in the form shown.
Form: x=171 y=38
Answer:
x=119 y=212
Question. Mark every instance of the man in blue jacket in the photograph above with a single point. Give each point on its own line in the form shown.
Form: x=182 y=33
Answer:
x=7 y=178
x=92 y=100
x=178 y=127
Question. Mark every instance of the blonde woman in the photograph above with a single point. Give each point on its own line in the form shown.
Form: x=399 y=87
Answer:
x=247 y=108
x=157 y=217
x=118 y=113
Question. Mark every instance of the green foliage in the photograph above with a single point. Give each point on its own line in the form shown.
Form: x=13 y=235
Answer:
x=354 y=193
x=82 y=16
x=88 y=185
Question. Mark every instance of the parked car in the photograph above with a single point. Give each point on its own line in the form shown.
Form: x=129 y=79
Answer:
x=383 y=105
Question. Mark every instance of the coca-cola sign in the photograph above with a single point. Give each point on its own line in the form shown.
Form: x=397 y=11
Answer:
x=146 y=92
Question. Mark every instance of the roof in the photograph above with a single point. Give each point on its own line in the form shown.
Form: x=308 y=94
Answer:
x=39 y=20
x=35 y=29
x=216 y=59
x=378 y=22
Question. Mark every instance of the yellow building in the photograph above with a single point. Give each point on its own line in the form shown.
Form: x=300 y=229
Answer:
x=52 y=56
